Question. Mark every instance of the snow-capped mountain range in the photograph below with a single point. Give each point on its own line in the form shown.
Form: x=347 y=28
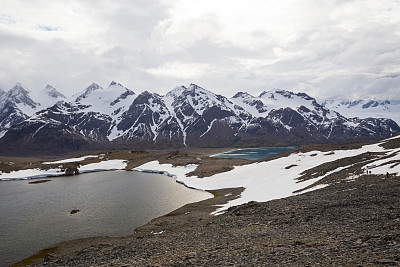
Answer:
x=116 y=117
x=366 y=108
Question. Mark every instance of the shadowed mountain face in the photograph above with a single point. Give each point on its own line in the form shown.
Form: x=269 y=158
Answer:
x=116 y=117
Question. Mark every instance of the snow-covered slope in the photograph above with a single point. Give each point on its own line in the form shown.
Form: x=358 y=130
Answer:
x=283 y=177
x=47 y=97
x=19 y=96
x=366 y=109
x=19 y=103
x=15 y=106
x=200 y=112
x=296 y=173
x=112 y=101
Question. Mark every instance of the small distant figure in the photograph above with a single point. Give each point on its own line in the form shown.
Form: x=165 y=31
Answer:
x=387 y=175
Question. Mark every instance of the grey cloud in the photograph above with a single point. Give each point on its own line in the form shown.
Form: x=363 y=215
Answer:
x=321 y=60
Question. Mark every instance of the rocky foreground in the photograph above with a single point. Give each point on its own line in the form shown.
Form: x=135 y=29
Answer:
x=349 y=223
x=352 y=221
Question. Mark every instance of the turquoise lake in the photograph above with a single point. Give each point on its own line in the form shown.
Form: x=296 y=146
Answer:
x=253 y=153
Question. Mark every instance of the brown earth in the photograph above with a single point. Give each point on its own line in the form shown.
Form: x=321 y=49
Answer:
x=207 y=166
x=351 y=222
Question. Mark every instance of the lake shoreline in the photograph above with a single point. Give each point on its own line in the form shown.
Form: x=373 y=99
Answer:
x=315 y=228
x=204 y=170
x=197 y=211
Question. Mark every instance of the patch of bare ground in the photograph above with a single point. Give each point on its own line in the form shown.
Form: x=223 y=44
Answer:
x=392 y=143
x=350 y=223
x=207 y=166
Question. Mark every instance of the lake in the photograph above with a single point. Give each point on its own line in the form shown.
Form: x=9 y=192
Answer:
x=113 y=203
x=253 y=153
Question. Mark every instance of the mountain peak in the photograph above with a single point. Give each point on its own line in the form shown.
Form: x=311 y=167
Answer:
x=53 y=92
x=195 y=89
x=88 y=90
x=268 y=94
x=19 y=95
x=113 y=83
x=194 y=86
x=19 y=88
x=177 y=91
x=94 y=86
x=242 y=95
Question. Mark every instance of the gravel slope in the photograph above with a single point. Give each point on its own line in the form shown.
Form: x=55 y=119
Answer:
x=350 y=223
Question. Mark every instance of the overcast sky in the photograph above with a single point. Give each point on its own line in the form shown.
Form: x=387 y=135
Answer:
x=332 y=48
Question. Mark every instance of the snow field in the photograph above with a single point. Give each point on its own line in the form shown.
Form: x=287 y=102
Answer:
x=108 y=165
x=270 y=180
x=263 y=181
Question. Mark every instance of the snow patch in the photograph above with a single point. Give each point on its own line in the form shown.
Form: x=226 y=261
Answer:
x=263 y=181
x=70 y=160
x=108 y=165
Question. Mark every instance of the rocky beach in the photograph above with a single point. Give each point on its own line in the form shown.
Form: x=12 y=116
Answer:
x=346 y=224
x=351 y=221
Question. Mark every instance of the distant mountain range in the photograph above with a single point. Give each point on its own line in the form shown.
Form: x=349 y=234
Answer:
x=116 y=117
x=366 y=108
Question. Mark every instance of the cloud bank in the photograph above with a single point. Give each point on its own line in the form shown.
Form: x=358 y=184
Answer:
x=328 y=49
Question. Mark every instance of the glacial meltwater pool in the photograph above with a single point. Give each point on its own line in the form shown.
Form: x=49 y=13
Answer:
x=111 y=203
x=253 y=153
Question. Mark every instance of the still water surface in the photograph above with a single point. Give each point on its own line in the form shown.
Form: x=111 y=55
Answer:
x=36 y=216
x=254 y=153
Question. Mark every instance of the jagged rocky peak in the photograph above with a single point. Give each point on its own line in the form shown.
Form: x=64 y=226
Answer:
x=364 y=104
x=18 y=94
x=53 y=92
x=195 y=90
x=18 y=89
x=117 y=86
x=2 y=92
x=177 y=91
x=267 y=94
x=374 y=103
x=242 y=95
x=194 y=86
x=145 y=96
x=87 y=91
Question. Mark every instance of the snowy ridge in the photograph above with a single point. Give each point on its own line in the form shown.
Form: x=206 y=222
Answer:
x=192 y=116
x=169 y=99
x=366 y=108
